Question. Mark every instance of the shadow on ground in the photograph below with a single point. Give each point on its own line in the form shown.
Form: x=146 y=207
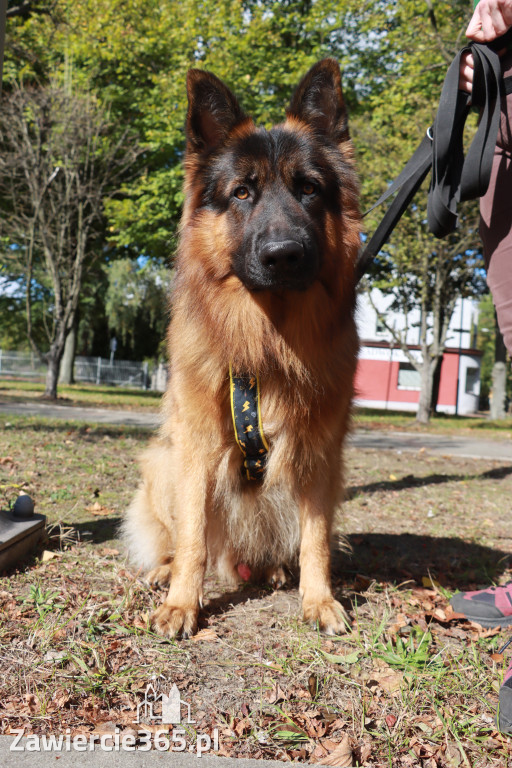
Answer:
x=395 y=558
x=386 y=559
x=99 y=530
x=412 y=481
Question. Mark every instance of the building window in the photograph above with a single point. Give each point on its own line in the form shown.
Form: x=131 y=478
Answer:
x=472 y=381
x=408 y=377
x=380 y=328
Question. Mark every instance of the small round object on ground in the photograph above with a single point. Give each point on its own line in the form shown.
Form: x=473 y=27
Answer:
x=23 y=506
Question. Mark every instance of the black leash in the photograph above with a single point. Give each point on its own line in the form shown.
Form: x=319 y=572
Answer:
x=454 y=177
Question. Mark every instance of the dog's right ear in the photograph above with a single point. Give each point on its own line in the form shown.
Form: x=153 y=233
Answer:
x=213 y=112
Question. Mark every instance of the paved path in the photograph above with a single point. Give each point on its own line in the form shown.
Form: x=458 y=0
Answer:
x=122 y=759
x=72 y=413
x=440 y=445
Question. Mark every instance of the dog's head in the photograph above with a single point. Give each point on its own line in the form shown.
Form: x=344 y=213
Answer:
x=273 y=198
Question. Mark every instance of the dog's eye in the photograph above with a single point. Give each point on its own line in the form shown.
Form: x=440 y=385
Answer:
x=242 y=193
x=308 y=188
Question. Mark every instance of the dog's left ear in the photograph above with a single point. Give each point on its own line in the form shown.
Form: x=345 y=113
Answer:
x=318 y=101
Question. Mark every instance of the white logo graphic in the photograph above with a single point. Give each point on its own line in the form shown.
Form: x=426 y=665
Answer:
x=161 y=704
x=161 y=707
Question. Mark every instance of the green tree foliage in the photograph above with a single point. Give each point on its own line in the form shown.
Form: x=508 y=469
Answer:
x=133 y=56
x=485 y=341
x=137 y=299
x=418 y=40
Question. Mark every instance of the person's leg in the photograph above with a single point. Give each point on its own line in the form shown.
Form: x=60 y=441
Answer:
x=492 y=607
x=505 y=707
x=496 y=220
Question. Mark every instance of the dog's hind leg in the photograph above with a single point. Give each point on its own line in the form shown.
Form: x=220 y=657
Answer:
x=148 y=528
x=161 y=575
x=275 y=576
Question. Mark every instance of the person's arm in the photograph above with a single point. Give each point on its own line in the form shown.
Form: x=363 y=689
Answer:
x=491 y=19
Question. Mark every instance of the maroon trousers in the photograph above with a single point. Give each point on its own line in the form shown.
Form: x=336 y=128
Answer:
x=496 y=219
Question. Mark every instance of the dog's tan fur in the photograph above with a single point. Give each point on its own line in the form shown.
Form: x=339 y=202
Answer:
x=194 y=507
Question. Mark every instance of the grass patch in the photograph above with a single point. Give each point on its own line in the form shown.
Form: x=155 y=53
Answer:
x=83 y=395
x=407 y=686
x=372 y=418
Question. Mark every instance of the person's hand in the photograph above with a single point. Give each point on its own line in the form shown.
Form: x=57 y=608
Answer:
x=466 y=72
x=491 y=19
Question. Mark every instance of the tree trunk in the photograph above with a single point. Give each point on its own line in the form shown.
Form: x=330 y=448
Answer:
x=68 y=358
x=435 y=385
x=427 y=385
x=54 y=358
x=52 y=375
x=499 y=377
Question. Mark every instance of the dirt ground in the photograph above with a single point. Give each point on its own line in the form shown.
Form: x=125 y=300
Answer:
x=408 y=685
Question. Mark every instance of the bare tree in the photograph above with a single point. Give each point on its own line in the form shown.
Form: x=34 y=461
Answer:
x=429 y=275
x=59 y=160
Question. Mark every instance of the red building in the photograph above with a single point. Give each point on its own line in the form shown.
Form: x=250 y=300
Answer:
x=386 y=378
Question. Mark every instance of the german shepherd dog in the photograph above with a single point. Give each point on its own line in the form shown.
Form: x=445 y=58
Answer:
x=264 y=288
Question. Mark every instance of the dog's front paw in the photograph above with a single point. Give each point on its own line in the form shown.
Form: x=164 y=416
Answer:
x=159 y=576
x=330 y=615
x=173 y=620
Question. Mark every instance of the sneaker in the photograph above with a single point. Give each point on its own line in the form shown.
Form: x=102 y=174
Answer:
x=491 y=607
x=505 y=705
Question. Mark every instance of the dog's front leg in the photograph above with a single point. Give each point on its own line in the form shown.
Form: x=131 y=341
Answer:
x=318 y=603
x=178 y=614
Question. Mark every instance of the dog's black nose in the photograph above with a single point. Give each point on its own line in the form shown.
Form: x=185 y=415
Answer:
x=282 y=257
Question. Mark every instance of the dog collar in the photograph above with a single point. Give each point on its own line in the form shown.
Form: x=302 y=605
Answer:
x=245 y=409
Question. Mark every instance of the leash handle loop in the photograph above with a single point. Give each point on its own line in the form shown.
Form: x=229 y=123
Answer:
x=453 y=177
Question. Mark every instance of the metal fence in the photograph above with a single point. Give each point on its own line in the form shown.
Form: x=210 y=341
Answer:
x=93 y=370
x=21 y=364
x=98 y=370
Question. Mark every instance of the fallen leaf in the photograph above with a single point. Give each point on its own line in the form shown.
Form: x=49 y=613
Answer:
x=315 y=728
x=275 y=695
x=32 y=702
x=479 y=632
x=364 y=753
x=453 y=615
x=99 y=510
x=393 y=477
x=341 y=756
x=141 y=620
x=350 y=658
x=430 y=583
x=319 y=752
x=154 y=728
x=452 y=756
x=207 y=634
x=388 y=679
x=48 y=555
x=313 y=685
x=390 y=720
x=106 y=551
x=439 y=615
x=243 y=726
